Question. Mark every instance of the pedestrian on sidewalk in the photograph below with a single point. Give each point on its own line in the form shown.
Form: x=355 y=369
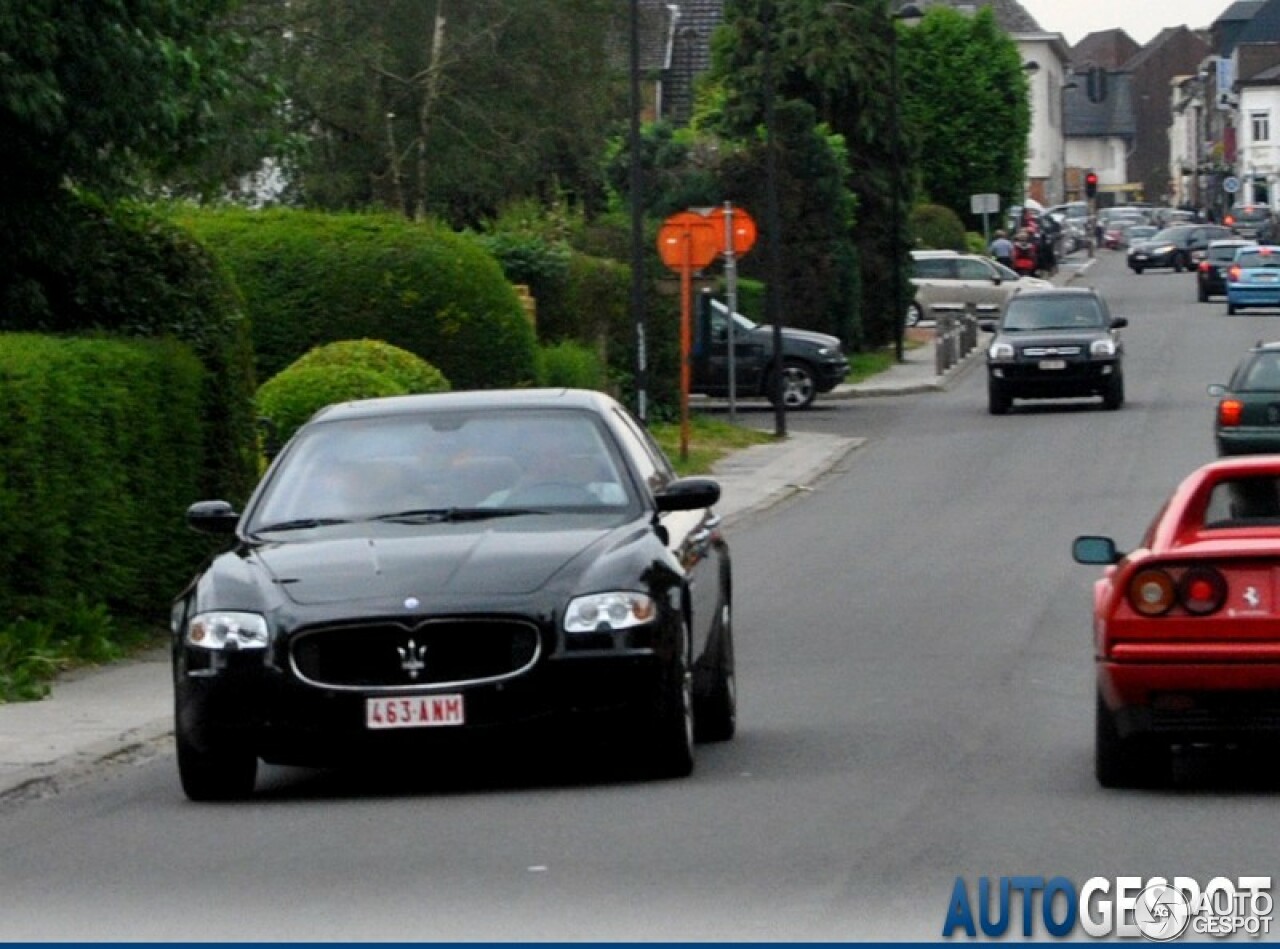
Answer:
x=1002 y=249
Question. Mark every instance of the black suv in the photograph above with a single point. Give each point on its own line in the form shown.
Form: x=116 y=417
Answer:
x=1211 y=274
x=1055 y=344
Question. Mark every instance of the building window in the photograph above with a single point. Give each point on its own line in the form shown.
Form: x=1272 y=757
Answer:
x=1260 y=125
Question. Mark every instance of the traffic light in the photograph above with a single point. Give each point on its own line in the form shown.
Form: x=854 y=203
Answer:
x=1091 y=184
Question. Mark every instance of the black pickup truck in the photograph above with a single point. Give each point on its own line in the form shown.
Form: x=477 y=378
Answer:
x=811 y=362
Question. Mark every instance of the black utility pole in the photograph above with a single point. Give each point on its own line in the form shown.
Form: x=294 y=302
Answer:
x=637 y=224
x=773 y=308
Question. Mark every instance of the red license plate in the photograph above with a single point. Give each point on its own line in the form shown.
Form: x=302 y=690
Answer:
x=422 y=711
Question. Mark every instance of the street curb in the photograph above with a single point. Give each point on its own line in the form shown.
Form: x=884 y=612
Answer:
x=52 y=778
x=826 y=457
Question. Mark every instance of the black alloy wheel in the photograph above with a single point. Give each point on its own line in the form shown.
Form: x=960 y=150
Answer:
x=715 y=712
x=799 y=387
x=670 y=743
x=227 y=774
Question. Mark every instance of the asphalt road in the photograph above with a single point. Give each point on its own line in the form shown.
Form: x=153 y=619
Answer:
x=916 y=706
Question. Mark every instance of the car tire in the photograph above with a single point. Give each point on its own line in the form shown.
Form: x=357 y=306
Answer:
x=1202 y=295
x=914 y=314
x=799 y=387
x=227 y=774
x=1133 y=762
x=1177 y=263
x=670 y=743
x=1231 y=308
x=715 y=713
x=998 y=401
x=1113 y=398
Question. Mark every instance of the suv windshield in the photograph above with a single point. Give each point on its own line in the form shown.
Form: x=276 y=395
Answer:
x=1044 y=313
x=1250 y=215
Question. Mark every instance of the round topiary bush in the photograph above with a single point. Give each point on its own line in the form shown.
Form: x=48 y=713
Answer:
x=412 y=372
x=291 y=397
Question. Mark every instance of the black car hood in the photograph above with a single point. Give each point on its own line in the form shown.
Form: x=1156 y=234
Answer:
x=790 y=334
x=462 y=562
x=1050 y=338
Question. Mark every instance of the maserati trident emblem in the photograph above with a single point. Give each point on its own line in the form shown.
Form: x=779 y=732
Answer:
x=412 y=658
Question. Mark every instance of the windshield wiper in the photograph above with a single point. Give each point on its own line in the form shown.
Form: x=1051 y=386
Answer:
x=431 y=515
x=301 y=523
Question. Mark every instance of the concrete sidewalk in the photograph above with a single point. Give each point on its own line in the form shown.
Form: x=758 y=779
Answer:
x=96 y=718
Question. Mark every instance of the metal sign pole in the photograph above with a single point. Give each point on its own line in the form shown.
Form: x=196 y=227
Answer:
x=731 y=288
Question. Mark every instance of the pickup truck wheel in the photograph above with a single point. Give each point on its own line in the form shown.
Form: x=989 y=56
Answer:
x=799 y=388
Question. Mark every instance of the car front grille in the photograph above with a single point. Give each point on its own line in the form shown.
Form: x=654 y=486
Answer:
x=393 y=656
x=1039 y=352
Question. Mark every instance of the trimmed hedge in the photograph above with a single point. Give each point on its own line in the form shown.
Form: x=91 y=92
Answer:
x=126 y=271
x=104 y=445
x=310 y=278
x=339 y=372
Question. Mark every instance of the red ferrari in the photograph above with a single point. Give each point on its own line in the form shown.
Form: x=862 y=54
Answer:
x=1186 y=627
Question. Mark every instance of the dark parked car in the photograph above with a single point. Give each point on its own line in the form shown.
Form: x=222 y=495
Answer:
x=1211 y=273
x=1252 y=221
x=433 y=569
x=1247 y=420
x=1174 y=247
x=1055 y=344
x=812 y=363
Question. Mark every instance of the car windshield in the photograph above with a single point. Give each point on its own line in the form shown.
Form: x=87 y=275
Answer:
x=1263 y=258
x=1141 y=231
x=1071 y=311
x=1168 y=234
x=451 y=467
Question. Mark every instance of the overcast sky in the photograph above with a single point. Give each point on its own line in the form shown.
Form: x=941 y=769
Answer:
x=1141 y=19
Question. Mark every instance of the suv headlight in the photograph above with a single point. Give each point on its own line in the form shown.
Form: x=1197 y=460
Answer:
x=228 y=631
x=1102 y=347
x=608 y=611
x=1000 y=352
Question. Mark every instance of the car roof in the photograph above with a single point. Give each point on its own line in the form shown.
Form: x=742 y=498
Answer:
x=479 y=399
x=935 y=253
x=1232 y=242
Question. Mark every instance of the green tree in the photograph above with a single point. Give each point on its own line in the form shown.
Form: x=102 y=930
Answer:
x=103 y=97
x=967 y=108
x=838 y=57
x=448 y=108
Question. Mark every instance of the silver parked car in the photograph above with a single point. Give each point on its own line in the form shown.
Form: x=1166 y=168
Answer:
x=972 y=281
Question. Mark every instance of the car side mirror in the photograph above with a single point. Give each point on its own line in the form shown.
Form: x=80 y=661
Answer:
x=212 y=517
x=1217 y=389
x=1119 y=322
x=987 y=326
x=688 y=494
x=1095 y=550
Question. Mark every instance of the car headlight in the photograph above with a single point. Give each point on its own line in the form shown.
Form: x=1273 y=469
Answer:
x=1102 y=347
x=227 y=630
x=599 y=612
x=824 y=350
x=1000 y=352
x=1162 y=249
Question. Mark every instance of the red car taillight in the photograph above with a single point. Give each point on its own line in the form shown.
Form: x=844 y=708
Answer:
x=1152 y=592
x=1234 y=273
x=1200 y=591
x=1204 y=266
x=1230 y=411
